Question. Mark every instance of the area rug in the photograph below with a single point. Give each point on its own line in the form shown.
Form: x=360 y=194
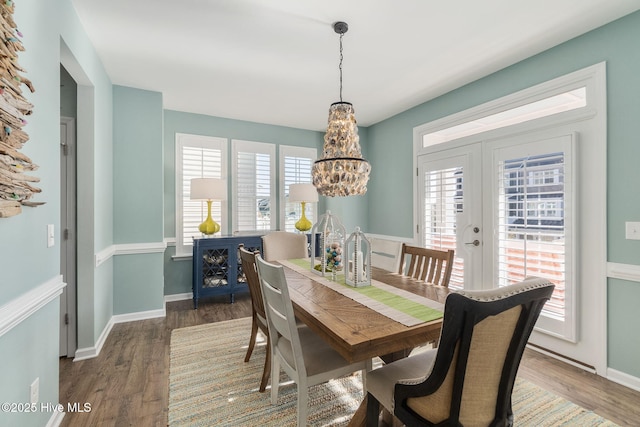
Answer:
x=211 y=385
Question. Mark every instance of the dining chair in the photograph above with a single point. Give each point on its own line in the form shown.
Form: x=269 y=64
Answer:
x=429 y=265
x=305 y=356
x=385 y=254
x=284 y=245
x=258 y=317
x=468 y=379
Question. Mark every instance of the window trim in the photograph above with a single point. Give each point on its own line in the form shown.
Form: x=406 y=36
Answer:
x=203 y=141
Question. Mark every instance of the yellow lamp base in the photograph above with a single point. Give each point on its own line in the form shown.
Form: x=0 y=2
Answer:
x=303 y=223
x=209 y=226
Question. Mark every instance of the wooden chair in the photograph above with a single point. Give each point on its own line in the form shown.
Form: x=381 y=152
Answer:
x=304 y=355
x=385 y=254
x=259 y=319
x=429 y=265
x=468 y=379
x=284 y=245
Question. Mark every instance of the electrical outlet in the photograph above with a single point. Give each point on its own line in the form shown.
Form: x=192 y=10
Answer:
x=632 y=230
x=35 y=391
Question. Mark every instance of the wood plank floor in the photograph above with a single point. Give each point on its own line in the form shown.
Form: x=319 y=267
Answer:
x=127 y=384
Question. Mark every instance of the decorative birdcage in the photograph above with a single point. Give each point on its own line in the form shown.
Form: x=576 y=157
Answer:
x=330 y=232
x=357 y=259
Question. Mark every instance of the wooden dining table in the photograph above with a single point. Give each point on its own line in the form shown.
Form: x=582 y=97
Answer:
x=356 y=331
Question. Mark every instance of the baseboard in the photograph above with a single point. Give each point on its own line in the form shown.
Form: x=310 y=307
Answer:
x=141 y=315
x=178 y=297
x=623 y=379
x=91 y=352
x=562 y=359
x=56 y=419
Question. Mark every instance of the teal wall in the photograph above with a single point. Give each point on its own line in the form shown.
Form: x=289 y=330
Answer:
x=178 y=272
x=138 y=198
x=390 y=143
x=30 y=349
x=138 y=154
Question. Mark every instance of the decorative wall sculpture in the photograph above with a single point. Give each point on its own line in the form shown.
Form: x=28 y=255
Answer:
x=16 y=186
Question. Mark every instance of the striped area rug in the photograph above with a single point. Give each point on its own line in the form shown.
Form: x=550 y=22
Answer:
x=210 y=385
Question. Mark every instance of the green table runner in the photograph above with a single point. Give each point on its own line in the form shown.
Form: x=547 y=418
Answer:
x=381 y=300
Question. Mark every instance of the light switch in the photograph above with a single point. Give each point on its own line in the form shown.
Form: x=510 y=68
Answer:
x=632 y=230
x=50 y=236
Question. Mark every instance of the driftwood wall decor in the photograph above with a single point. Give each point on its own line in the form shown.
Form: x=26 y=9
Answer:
x=16 y=185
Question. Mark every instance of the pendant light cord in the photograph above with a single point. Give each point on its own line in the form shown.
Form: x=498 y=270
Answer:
x=340 y=67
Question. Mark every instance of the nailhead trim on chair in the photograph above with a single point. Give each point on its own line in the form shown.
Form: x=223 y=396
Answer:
x=497 y=294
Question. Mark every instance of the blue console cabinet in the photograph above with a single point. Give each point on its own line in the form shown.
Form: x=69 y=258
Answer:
x=217 y=268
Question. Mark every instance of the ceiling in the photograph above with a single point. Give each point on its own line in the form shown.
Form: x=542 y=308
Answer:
x=276 y=61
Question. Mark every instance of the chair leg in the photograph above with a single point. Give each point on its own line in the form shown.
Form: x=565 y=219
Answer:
x=373 y=411
x=275 y=379
x=266 y=371
x=303 y=403
x=252 y=340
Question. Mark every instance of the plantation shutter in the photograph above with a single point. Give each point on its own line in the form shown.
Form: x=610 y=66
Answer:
x=196 y=157
x=254 y=183
x=443 y=200
x=295 y=168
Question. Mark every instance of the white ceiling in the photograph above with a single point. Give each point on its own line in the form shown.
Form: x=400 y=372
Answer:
x=276 y=61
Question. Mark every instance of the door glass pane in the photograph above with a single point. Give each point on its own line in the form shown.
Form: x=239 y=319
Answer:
x=531 y=228
x=443 y=202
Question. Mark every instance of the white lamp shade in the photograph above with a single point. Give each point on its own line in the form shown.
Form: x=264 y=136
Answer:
x=208 y=189
x=303 y=193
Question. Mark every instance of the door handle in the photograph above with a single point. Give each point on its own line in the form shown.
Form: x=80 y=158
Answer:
x=474 y=243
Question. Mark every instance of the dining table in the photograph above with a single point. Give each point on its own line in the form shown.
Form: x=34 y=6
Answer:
x=387 y=319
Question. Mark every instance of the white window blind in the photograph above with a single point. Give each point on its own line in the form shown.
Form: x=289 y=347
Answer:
x=254 y=186
x=533 y=219
x=295 y=168
x=442 y=202
x=196 y=157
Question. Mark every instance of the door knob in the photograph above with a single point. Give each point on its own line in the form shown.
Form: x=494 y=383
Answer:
x=474 y=243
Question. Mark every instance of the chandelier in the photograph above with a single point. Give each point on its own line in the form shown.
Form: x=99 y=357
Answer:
x=341 y=171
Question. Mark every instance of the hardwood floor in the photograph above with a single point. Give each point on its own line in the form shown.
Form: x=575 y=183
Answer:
x=127 y=384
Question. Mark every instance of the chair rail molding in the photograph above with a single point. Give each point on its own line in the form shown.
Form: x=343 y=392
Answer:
x=19 y=309
x=623 y=271
x=129 y=249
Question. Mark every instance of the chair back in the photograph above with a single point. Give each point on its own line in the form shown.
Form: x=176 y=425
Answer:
x=284 y=245
x=429 y=265
x=251 y=274
x=283 y=331
x=385 y=254
x=484 y=334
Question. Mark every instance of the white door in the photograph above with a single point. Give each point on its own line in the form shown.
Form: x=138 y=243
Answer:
x=450 y=209
x=509 y=207
x=68 y=237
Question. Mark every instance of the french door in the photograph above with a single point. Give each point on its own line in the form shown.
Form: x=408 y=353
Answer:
x=508 y=208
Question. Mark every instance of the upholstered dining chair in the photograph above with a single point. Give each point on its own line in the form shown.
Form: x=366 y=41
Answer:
x=284 y=245
x=385 y=254
x=258 y=317
x=305 y=357
x=469 y=378
x=429 y=265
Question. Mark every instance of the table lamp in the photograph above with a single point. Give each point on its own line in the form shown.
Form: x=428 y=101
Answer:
x=208 y=189
x=303 y=193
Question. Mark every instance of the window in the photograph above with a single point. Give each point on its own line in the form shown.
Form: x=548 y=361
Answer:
x=295 y=167
x=254 y=190
x=548 y=106
x=197 y=157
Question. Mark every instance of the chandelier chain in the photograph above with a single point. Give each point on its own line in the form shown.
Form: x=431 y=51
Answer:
x=340 y=66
